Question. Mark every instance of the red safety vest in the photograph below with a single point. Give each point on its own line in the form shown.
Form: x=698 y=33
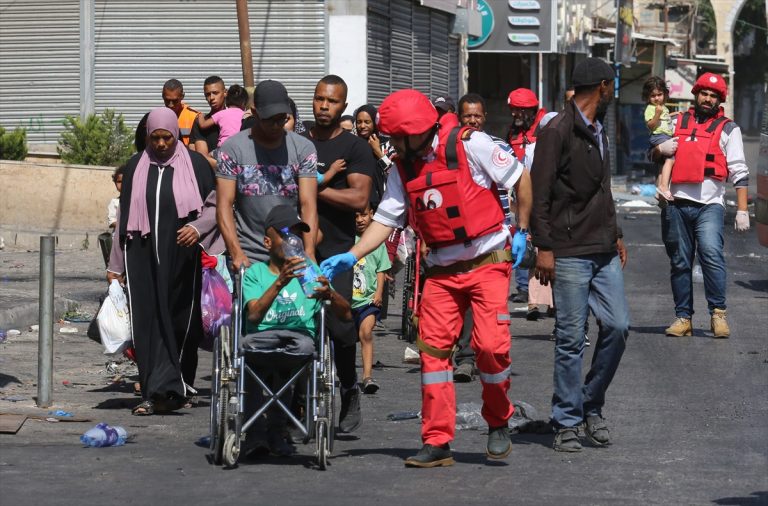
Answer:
x=698 y=150
x=522 y=139
x=446 y=205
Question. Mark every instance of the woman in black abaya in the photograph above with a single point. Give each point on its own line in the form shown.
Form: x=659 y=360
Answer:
x=165 y=213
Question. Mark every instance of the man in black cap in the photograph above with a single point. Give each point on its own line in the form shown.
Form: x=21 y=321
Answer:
x=443 y=104
x=259 y=169
x=573 y=223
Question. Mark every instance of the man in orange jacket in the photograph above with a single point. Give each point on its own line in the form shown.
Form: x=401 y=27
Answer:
x=173 y=96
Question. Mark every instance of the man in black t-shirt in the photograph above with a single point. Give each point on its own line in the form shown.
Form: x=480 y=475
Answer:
x=206 y=140
x=338 y=200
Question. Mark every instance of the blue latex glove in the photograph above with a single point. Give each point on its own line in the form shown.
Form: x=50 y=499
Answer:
x=518 y=247
x=337 y=264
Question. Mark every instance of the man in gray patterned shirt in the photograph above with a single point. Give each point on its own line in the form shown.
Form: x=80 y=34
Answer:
x=259 y=169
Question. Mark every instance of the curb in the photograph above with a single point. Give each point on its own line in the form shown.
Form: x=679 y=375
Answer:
x=29 y=313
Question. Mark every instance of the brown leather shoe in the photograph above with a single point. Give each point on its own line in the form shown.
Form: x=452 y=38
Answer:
x=680 y=327
x=719 y=324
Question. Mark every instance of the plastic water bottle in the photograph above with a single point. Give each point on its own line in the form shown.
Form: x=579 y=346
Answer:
x=104 y=435
x=294 y=247
x=698 y=276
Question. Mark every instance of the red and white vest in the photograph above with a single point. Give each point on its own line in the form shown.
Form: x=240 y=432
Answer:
x=698 y=150
x=446 y=206
x=521 y=140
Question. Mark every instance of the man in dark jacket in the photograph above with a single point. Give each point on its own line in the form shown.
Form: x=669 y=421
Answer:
x=580 y=250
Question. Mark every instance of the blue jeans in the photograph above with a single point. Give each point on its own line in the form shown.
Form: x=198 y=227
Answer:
x=689 y=229
x=521 y=280
x=582 y=283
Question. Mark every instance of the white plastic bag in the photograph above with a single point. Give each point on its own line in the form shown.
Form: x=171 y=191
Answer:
x=114 y=320
x=406 y=245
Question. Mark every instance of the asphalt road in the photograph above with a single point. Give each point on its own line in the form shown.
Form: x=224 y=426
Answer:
x=688 y=416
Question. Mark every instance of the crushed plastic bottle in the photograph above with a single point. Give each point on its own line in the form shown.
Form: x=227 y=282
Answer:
x=104 y=435
x=403 y=415
x=468 y=416
x=698 y=276
x=294 y=247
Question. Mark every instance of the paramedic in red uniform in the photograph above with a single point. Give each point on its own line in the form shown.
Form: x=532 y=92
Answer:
x=445 y=183
x=709 y=153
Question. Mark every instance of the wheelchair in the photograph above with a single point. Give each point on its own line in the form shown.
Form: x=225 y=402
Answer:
x=231 y=365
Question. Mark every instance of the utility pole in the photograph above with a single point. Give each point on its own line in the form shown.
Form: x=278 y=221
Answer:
x=246 y=58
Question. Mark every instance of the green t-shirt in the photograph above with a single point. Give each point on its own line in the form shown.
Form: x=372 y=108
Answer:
x=665 y=120
x=364 y=284
x=291 y=309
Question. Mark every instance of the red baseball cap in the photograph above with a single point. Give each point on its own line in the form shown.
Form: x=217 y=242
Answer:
x=710 y=81
x=522 y=97
x=406 y=112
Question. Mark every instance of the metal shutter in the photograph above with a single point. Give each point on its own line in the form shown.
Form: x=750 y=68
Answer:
x=439 y=61
x=402 y=44
x=454 y=50
x=379 y=61
x=422 y=42
x=139 y=46
x=39 y=66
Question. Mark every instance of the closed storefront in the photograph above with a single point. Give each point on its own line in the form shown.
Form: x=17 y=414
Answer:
x=410 y=46
x=138 y=49
x=137 y=46
x=39 y=66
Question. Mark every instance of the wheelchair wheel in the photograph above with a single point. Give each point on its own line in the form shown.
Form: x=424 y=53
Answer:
x=321 y=440
x=231 y=450
x=329 y=395
x=219 y=399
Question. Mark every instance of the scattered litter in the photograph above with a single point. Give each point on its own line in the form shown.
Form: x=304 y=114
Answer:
x=468 y=416
x=103 y=435
x=62 y=413
x=3 y=336
x=13 y=333
x=204 y=442
x=15 y=398
x=411 y=356
x=378 y=365
x=66 y=383
x=636 y=203
x=34 y=328
x=77 y=317
x=644 y=190
x=698 y=276
x=11 y=423
x=68 y=330
x=403 y=415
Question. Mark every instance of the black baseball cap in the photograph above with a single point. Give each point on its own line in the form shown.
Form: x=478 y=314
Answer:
x=284 y=216
x=590 y=72
x=270 y=99
x=444 y=103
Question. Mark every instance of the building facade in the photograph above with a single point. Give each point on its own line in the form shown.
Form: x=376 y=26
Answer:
x=63 y=58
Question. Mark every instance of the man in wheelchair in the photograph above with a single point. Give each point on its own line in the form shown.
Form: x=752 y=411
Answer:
x=280 y=321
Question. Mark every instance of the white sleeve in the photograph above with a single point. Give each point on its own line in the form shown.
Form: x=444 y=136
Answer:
x=392 y=208
x=493 y=157
x=112 y=211
x=733 y=148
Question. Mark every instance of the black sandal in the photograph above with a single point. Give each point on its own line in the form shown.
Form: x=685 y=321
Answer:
x=146 y=408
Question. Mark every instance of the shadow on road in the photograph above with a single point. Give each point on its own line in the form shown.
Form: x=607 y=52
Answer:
x=758 y=285
x=754 y=498
x=6 y=379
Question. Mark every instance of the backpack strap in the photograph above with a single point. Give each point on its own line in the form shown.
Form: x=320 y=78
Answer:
x=451 y=155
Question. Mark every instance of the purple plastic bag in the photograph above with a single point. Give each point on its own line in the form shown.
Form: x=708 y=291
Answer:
x=216 y=306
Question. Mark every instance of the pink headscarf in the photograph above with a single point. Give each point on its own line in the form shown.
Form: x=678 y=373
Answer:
x=185 y=189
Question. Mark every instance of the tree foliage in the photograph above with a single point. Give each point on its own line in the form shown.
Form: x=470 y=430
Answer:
x=13 y=145
x=97 y=140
